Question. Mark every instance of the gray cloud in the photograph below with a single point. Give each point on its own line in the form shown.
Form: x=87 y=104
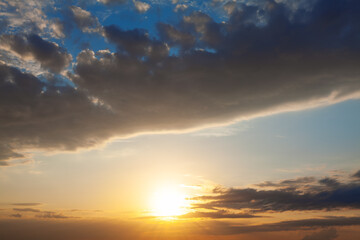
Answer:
x=49 y=54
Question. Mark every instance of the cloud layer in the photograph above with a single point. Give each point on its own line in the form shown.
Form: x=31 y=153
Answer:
x=268 y=57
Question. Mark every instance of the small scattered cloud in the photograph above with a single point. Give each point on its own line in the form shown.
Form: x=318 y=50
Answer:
x=58 y=28
x=85 y=21
x=180 y=7
x=141 y=7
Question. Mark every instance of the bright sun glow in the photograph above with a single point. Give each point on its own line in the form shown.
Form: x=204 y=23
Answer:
x=168 y=202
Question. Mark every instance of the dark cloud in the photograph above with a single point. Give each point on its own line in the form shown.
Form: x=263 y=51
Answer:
x=26 y=210
x=7 y=153
x=4 y=23
x=39 y=114
x=356 y=175
x=218 y=228
x=110 y=2
x=135 y=42
x=252 y=65
x=326 y=234
x=217 y=215
x=49 y=54
x=17 y=215
x=49 y=214
x=26 y=204
x=41 y=213
x=196 y=28
x=333 y=196
x=330 y=182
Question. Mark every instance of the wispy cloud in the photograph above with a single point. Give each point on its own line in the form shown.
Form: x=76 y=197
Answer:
x=26 y=204
x=26 y=210
x=223 y=131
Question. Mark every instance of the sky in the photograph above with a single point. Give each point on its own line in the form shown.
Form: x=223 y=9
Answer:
x=179 y=119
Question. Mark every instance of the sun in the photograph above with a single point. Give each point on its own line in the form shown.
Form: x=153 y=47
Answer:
x=168 y=202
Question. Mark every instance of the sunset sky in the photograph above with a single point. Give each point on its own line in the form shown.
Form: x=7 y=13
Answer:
x=180 y=119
